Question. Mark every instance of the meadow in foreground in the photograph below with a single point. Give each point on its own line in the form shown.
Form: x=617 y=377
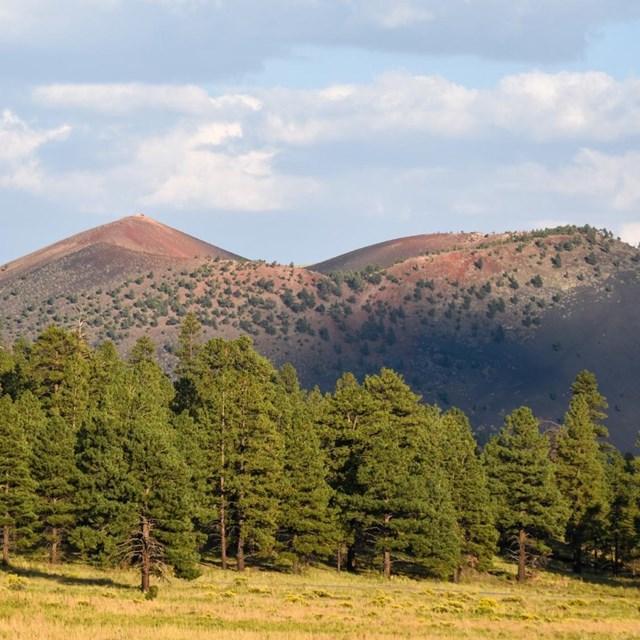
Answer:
x=73 y=602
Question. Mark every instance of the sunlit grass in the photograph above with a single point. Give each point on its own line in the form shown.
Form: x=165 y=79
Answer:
x=72 y=602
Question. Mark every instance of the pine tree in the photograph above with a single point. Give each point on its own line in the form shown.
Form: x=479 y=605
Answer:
x=406 y=506
x=6 y=366
x=235 y=408
x=345 y=417
x=190 y=345
x=187 y=366
x=58 y=367
x=144 y=351
x=586 y=385
x=55 y=363
x=104 y=364
x=17 y=499
x=15 y=377
x=393 y=501
x=581 y=477
x=52 y=443
x=623 y=518
x=192 y=447
x=522 y=481
x=405 y=497
x=307 y=527
x=475 y=511
x=136 y=483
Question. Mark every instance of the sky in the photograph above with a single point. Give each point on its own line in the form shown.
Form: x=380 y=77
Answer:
x=297 y=130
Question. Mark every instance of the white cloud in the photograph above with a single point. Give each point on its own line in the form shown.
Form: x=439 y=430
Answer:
x=18 y=140
x=86 y=191
x=630 y=233
x=395 y=103
x=538 y=106
x=120 y=99
x=495 y=197
x=517 y=149
x=610 y=182
x=198 y=167
x=548 y=106
x=180 y=171
x=237 y=101
x=535 y=106
x=123 y=98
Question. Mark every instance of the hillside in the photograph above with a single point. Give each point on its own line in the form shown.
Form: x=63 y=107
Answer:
x=385 y=254
x=484 y=323
x=102 y=254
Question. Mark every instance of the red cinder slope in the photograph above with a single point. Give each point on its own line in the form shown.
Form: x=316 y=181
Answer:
x=136 y=235
x=384 y=254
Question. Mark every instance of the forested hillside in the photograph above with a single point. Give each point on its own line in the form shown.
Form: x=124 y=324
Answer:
x=484 y=323
x=113 y=461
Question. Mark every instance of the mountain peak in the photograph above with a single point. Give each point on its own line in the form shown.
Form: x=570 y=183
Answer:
x=133 y=237
x=141 y=217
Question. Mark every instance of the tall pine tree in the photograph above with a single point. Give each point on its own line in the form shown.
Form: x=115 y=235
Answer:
x=187 y=366
x=346 y=416
x=522 y=481
x=235 y=409
x=52 y=442
x=17 y=497
x=475 y=511
x=623 y=516
x=586 y=385
x=136 y=482
x=405 y=497
x=581 y=477
x=59 y=381
x=307 y=525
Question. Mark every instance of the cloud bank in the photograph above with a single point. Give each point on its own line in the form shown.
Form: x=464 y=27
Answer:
x=207 y=40
x=404 y=147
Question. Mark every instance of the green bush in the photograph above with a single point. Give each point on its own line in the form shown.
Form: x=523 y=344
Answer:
x=152 y=594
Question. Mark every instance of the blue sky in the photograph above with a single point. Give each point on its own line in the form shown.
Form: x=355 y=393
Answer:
x=295 y=130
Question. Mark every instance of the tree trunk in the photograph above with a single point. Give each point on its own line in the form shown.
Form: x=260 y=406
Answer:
x=351 y=558
x=616 y=555
x=240 y=565
x=457 y=575
x=145 y=564
x=223 y=498
x=6 y=531
x=55 y=545
x=297 y=565
x=386 y=554
x=522 y=555
x=240 y=554
x=223 y=526
x=577 y=558
x=5 y=544
x=339 y=558
x=386 y=564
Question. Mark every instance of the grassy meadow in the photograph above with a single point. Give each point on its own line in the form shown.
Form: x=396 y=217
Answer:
x=75 y=602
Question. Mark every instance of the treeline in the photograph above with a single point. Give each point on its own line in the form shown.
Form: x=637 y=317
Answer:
x=114 y=462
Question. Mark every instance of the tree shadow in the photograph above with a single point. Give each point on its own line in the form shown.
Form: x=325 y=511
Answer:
x=602 y=577
x=61 y=578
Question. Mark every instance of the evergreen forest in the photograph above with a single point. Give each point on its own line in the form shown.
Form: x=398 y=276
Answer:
x=229 y=461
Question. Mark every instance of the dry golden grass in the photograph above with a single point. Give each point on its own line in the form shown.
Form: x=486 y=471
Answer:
x=79 y=603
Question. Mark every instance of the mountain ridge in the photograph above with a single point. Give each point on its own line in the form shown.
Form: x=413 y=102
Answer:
x=384 y=254
x=472 y=320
